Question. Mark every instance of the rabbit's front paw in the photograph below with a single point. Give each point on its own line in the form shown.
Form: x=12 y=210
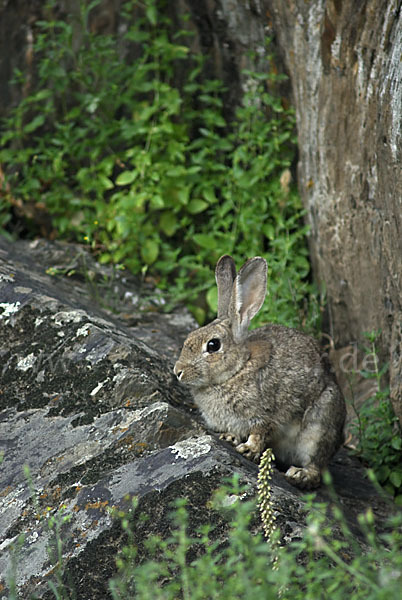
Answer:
x=228 y=437
x=305 y=478
x=253 y=447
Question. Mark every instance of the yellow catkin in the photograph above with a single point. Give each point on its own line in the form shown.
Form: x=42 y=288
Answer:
x=264 y=497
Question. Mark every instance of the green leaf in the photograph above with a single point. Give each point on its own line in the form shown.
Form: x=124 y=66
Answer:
x=396 y=479
x=383 y=473
x=302 y=264
x=269 y=231
x=212 y=298
x=34 y=184
x=168 y=223
x=105 y=257
x=198 y=313
x=42 y=95
x=177 y=171
x=193 y=170
x=183 y=195
x=149 y=251
x=396 y=443
x=152 y=14
x=209 y=195
x=34 y=124
x=157 y=202
x=196 y=206
x=106 y=183
x=126 y=177
x=204 y=240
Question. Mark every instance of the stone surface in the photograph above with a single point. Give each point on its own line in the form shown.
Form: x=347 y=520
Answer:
x=90 y=406
x=344 y=64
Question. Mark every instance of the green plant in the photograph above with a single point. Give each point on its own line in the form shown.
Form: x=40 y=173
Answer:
x=326 y=562
x=220 y=570
x=110 y=150
x=379 y=441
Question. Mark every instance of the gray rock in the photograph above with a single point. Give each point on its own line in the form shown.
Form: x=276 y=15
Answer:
x=89 y=405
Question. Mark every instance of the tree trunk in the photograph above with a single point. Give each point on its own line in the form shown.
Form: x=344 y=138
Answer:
x=344 y=60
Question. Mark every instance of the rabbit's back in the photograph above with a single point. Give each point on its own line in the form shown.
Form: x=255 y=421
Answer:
x=298 y=384
x=293 y=375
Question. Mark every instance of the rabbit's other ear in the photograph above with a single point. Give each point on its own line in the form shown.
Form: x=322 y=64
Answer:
x=225 y=274
x=248 y=295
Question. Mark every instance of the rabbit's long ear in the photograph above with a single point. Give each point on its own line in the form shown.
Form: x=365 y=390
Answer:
x=225 y=274
x=248 y=295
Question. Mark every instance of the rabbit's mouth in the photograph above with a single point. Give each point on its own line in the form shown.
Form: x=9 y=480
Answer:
x=178 y=372
x=189 y=375
x=183 y=374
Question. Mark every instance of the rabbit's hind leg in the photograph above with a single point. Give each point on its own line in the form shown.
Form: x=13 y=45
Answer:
x=320 y=435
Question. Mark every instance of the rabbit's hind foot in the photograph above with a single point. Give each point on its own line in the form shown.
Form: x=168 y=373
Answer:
x=305 y=478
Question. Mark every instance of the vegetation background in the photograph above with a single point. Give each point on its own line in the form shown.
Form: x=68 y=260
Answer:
x=112 y=149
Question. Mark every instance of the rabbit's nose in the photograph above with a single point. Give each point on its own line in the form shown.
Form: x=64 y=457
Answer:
x=178 y=372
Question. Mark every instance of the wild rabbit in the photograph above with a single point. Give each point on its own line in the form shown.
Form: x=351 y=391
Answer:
x=268 y=387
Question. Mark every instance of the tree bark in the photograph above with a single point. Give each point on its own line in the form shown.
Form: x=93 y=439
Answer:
x=344 y=60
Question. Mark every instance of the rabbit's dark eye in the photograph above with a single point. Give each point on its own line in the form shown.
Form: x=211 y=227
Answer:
x=213 y=345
